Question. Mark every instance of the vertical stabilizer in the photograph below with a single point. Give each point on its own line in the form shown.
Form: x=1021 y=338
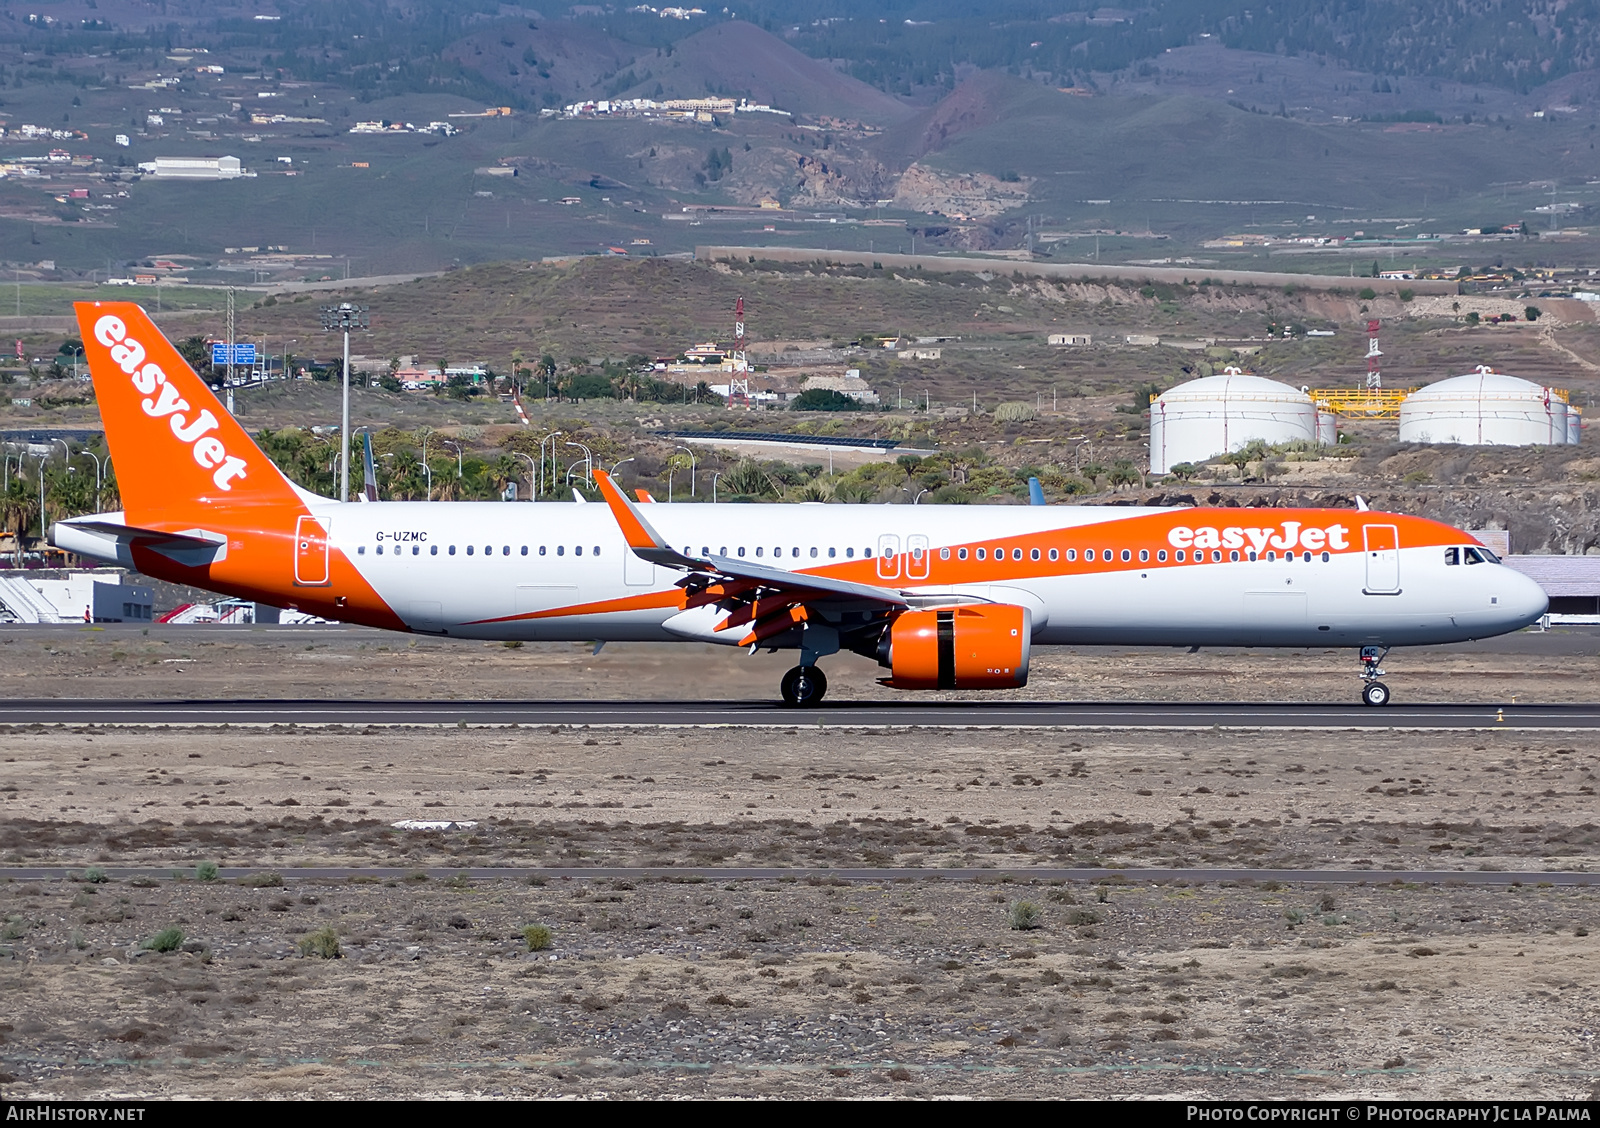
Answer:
x=179 y=455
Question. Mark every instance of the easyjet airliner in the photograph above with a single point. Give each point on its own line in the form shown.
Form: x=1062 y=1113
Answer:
x=945 y=597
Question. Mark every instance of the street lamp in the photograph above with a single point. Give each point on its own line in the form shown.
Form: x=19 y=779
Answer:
x=619 y=462
x=588 y=464
x=98 y=473
x=547 y=439
x=914 y=500
x=533 y=470
x=428 y=470
x=448 y=443
x=342 y=318
x=714 y=478
x=690 y=453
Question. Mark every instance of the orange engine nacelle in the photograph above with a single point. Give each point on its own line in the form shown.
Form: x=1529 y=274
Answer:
x=979 y=646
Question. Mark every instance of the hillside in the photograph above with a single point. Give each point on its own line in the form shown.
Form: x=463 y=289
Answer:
x=1159 y=158
x=740 y=59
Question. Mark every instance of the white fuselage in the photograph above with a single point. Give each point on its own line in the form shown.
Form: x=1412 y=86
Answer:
x=471 y=569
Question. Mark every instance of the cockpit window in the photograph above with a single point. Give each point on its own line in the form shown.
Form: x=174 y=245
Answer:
x=1452 y=556
x=1472 y=555
x=1488 y=557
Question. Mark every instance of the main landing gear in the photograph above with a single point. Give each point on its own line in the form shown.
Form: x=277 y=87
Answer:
x=1373 y=691
x=803 y=687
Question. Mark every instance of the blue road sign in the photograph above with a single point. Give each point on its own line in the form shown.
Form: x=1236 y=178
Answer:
x=242 y=353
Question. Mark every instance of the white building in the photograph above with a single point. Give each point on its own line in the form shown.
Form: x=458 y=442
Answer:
x=193 y=168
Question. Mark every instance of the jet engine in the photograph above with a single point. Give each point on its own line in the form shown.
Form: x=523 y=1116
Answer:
x=975 y=646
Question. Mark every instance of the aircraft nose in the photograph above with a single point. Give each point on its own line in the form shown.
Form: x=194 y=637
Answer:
x=1522 y=600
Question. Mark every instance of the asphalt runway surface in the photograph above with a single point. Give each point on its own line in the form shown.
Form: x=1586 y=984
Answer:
x=846 y=714
x=824 y=874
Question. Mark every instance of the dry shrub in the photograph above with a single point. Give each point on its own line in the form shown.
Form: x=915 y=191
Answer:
x=323 y=944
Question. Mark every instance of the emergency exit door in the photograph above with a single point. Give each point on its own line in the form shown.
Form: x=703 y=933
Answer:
x=1383 y=559
x=310 y=552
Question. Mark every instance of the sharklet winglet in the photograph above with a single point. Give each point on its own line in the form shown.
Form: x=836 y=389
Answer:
x=640 y=537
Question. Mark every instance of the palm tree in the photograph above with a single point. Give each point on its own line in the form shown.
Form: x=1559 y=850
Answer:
x=18 y=506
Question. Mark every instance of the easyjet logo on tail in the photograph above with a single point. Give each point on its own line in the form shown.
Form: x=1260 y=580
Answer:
x=162 y=400
x=1285 y=537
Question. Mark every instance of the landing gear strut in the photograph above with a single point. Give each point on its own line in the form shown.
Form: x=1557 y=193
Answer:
x=1373 y=691
x=803 y=687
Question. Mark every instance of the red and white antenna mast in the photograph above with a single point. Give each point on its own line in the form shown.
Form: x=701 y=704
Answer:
x=739 y=377
x=740 y=364
x=1374 y=354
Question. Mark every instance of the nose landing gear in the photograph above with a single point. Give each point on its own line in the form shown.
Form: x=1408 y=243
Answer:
x=1373 y=691
x=803 y=687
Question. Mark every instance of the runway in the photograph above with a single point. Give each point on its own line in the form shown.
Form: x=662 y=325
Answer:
x=844 y=714
x=695 y=874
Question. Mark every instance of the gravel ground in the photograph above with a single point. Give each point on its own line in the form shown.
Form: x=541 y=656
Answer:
x=798 y=987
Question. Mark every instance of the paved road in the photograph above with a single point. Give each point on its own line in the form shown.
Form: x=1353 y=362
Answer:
x=939 y=714
x=780 y=873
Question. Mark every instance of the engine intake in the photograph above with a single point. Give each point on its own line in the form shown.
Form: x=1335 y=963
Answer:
x=978 y=646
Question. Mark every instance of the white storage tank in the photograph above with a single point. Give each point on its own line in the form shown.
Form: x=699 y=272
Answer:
x=1574 y=425
x=1327 y=427
x=1485 y=408
x=1216 y=414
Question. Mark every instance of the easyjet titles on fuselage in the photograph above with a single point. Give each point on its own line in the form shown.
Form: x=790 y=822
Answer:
x=1285 y=537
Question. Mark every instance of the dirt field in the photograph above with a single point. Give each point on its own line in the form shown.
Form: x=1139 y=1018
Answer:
x=795 y=987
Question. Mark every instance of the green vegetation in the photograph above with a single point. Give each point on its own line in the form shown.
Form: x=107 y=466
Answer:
x=1025 y=916
x=206 y=871
x=167 y=940
x=538 y=937
x=323 y=944
x=94 y=875
x=267 y=880
x=824 y=399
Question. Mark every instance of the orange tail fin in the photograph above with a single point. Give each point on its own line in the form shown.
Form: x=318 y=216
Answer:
x=179 y=454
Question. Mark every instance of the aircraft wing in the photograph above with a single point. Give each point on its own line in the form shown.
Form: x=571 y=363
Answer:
x=771 y=600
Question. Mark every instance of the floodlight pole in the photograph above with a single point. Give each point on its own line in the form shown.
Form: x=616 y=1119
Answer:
x=343 y=318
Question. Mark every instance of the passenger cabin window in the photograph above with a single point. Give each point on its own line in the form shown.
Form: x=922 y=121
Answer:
x=1055 y=554
x=849 y=554
x=1126 y=555
x=561 y=550
x=832 y=552
x=452 y=550
x=944 y=554
x=433 y=550
x=983 y=554
x=380 y=550
x=361 y=550
x=961 y=554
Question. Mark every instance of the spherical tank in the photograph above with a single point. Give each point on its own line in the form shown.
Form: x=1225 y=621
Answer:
x=1485 y=408
x=1216 y=414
